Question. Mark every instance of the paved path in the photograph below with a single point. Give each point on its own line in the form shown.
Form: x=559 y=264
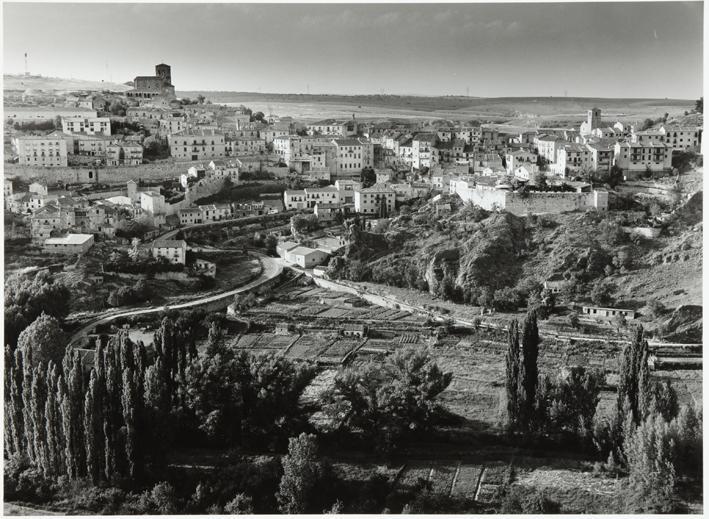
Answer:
x=272 y=267
x=14 y=509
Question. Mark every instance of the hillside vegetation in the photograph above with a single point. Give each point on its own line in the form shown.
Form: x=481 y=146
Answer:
x=501 y=260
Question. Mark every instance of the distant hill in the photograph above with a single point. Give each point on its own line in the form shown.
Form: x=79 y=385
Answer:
x=21 y=82
x=521 y=109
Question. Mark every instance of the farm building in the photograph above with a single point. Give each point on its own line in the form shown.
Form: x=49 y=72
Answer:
x=354 y=330
x=597 y=311
x=69 y=244
x=555 y=284
x=284 y=246
x=306 y=257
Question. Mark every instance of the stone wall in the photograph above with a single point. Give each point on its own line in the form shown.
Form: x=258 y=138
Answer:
x=534 y=202
x=110 y=175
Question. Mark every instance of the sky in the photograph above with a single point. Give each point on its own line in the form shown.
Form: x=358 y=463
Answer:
x=644 y=50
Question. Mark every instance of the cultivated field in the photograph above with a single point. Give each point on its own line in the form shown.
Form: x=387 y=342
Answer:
x=520 y=110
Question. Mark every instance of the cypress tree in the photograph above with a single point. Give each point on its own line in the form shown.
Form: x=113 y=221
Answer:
x=512 y=375
x=528 y=369
x=633 y=364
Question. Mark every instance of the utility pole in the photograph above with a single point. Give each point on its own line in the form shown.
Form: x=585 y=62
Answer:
x=26 y=69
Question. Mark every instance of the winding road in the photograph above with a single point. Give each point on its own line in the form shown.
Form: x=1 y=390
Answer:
x=272 y=267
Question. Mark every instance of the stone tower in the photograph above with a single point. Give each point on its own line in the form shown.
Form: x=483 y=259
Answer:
x=163 y=71
x=594 y=118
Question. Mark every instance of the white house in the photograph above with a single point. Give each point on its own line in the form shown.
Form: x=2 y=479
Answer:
x=306 y=257
x=174 y=250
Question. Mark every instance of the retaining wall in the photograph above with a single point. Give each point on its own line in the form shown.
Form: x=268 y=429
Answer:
x=110 y=175
x=535 y=202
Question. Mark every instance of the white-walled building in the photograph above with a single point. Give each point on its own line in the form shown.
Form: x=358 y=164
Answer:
x=633 y=157
x=174 y=251
x=294 y=199
x=305 y=257
x=34 y=150
x=152 y=203
x=87 y=125
x=376 y=199
x=197 y=145
x=683 y=138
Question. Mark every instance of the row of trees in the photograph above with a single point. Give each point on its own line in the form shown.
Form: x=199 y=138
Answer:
x=648 y=435
x=66 y=424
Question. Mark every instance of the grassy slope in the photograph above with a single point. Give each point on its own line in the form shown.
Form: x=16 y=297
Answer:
x=18 y=82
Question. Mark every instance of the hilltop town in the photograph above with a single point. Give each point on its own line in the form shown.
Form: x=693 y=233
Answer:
x=195 y=235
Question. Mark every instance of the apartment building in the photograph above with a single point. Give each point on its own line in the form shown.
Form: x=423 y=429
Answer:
x=423 y=151
x=648 y=136
x=270 y=133
x=246 y=146
x=333 y=127
x=378 y=199
x=683 y=138
x=190 y=216
x=635 y=157
x=197 y=145
x=347 y=189
x=48 y=151
x=86 y=125
x=602 y=156
x=515 y=159
x=172 y=125
x=547 y=146
x=573 y=158
x=125 y=154
x=351 y=156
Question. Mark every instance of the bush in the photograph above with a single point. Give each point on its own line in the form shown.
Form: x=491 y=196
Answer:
x=129 y=295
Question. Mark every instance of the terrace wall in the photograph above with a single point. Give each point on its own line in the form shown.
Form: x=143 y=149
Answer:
x=534 y=202
x=110 y=175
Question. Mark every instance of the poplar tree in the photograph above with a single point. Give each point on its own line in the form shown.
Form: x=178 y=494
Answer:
x=73 y=417
x=54 y=434
x=131 y=411
x=28 y=424
x=93 y=428
x=37 y=407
